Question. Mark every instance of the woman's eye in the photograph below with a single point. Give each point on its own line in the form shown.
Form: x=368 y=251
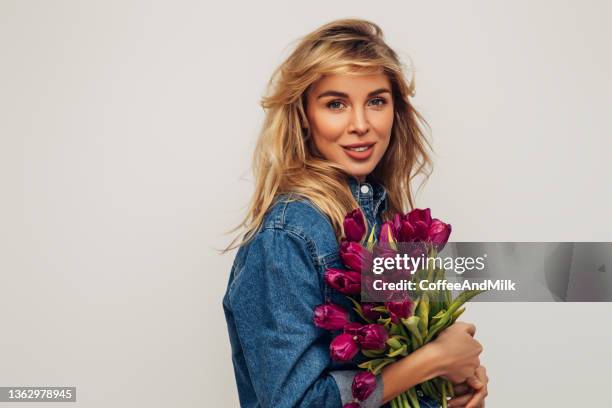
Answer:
x=335 y=105
x=378 y=101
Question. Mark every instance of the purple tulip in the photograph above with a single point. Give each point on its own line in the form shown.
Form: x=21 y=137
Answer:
x=399 y=310
x=343 y=347
x=351 y=405
x=354 y=226
x=364 y=384
x=406 y=231
x=418 y=226
x=330 y=316
x=397 y=224
x=354 y=256
x=370 y=314
x=369 y=336
x=345 y=282
x=419 y=220
x=439 y=233
x=373 y=337
x=419 y=215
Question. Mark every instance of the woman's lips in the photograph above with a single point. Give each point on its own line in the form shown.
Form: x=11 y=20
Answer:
x=359 y=151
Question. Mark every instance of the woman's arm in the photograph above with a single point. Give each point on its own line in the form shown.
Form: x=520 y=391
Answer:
x=419 y=366
x=453 y=355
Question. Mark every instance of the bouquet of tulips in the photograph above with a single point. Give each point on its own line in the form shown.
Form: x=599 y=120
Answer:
x=389 y=330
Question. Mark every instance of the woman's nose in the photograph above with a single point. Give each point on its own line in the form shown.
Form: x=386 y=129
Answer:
x=359 y=122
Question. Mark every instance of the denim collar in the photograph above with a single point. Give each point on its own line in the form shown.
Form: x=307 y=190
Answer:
x=371 y=196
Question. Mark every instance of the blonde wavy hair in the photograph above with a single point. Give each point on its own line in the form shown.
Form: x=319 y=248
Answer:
x=285 y=160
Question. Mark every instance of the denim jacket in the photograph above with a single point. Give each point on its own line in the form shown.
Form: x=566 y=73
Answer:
x=280 y=358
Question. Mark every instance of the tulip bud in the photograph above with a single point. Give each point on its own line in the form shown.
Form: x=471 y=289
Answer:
x=345 y=282
x=419 y=215
x=420 y=220
x=343 y=347
x=399 y=310
x=364 y=384
x=354 y=256
x=373 y=337
x=354 y=226
x=330 y=317
x=439 y=233
x=406 y=231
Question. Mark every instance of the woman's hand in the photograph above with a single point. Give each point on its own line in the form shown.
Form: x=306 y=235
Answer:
x=458 y=352
x=453 y=355
x=472 y=392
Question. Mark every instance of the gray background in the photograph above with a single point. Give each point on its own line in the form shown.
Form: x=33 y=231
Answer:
x=125 y=142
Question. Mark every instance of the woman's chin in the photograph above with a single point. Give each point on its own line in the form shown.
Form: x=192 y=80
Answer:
x=360 y=173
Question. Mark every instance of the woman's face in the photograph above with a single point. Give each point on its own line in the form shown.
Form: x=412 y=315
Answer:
x=350 y=119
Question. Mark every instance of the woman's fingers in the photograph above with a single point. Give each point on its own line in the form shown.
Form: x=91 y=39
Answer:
x=461 y=389
x=460 y=401
x=475 y=383
x=469 y=327
x=477 y=400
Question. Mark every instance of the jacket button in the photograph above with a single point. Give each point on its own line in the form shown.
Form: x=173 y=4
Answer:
x=365 y=189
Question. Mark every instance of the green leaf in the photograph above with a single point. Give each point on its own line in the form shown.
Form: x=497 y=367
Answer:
x=402 y=351
x=457 y=314
x=391 y=240
x=445 y=320
x=371 y=239
x=357 y=308
x=376 y=365
x=438 y=316
x=373 y=353
x=394 y=343
x=412 y=324
x=423 y=313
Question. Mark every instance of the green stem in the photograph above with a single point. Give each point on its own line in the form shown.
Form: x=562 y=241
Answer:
x=430 y=390
x=413 y=397
x=405 y=403
x=444 y=395
x=451 y=390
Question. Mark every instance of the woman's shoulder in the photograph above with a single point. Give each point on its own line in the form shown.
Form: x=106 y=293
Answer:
x=292 y=227
x=297 y=215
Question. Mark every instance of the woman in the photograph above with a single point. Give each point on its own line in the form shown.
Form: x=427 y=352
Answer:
x=340 y=132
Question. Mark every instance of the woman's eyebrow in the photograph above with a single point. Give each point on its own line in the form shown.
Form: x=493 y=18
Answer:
x=344 y=95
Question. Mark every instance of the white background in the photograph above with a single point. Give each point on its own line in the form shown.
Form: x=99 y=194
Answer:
x=126 y=133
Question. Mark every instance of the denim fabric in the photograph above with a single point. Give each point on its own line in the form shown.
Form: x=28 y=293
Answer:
x=280 y=358
x=426 y=402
